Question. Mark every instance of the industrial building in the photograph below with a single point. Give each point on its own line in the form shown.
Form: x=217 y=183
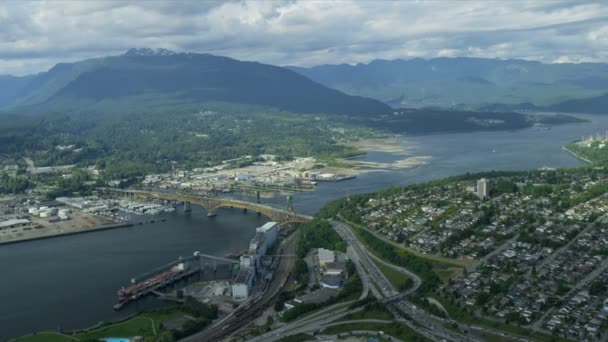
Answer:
x=332 y=271
x=270 y=231
x=334 y=268
x=332 y=281
x=324 y=256
x=265 y=237
x=247 y=261
x=241 y=287
x=483 y=189
x=14 y=223
x=257 y=245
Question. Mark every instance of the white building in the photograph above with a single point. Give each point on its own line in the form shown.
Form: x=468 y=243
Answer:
x=241 y=287
x=325 y=256
x=257 y=245
x=483 y=189
x=247 y=261
x=270 y=230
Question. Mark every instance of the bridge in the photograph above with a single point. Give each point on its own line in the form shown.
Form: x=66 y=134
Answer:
x=212 y=204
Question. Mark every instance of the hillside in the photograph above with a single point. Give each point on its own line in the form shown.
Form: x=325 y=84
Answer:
x=123 y=81
x=593 y=105
x=468 y=83
x=589 y=105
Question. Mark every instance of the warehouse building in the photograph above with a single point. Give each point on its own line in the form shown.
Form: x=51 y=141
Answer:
x=14 y=223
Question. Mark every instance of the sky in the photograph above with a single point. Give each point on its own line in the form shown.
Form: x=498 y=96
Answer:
x=35 y=35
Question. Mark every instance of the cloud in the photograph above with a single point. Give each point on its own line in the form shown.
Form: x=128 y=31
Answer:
x=36 y=35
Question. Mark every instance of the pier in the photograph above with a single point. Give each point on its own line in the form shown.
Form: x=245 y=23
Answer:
x=153 y=281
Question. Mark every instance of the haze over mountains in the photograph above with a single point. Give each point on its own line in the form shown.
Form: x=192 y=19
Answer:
x=142 y=77
x=468 y=83
x=143 y=74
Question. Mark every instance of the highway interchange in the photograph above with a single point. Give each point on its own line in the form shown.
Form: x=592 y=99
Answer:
x=374 y=281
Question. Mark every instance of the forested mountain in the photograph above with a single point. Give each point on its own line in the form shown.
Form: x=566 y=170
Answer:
x=590 y=105
x=464 y=82
x=593 y=105
x=129 y=80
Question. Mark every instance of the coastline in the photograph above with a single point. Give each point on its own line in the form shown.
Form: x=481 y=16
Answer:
x=391 y=145
x=576 y=155
x=50 y=236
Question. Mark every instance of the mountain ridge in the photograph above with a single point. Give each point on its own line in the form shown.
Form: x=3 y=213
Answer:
x=463 y=82
x=189 y=77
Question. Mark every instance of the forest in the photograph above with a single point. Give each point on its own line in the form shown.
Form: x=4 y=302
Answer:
x=133 y=144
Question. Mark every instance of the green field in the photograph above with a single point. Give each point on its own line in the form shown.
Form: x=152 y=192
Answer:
x=398 y=280
x=47 y=337
x=147 y=325
x=371 y=311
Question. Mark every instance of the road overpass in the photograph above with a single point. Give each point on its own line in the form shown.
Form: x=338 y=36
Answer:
x=212 y=204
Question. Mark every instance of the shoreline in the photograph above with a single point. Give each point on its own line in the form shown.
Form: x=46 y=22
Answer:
x=576 y=155
x=90 y=230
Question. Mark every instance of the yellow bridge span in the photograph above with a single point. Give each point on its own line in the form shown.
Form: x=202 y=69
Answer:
x=211 y=204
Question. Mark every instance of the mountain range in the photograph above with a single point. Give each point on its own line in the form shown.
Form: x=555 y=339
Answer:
x=465 y=83
x=144 y=78
x=140 y=74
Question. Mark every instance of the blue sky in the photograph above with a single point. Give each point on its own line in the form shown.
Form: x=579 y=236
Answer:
x=36 y=35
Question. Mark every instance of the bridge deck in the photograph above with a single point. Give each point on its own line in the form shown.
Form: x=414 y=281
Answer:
x=281 y=216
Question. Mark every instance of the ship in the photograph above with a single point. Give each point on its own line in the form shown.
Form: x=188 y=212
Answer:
x=143 y=287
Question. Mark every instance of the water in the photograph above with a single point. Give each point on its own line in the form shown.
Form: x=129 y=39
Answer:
x=70 y=282
x=459 y=153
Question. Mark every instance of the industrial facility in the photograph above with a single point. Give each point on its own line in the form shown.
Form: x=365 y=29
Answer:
x=253 y=263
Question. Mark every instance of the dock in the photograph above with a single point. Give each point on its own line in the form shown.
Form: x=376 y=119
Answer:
x=151 y=282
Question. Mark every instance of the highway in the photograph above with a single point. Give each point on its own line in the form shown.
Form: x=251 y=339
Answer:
x=432 y=326
x=373 y=279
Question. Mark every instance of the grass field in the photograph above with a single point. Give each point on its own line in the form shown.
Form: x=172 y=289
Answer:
x=370 y=312
x=147 y=325
x=47 y=337
x=399 y=280
x=457 y=263
x=137 y=326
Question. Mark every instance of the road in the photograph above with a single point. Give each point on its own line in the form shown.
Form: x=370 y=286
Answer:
x=373 y=279
x=574 y=290
x=380 y=288
x=433 y=326
x=429 y=326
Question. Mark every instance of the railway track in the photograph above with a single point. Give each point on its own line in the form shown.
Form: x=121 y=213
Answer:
x=243 y=316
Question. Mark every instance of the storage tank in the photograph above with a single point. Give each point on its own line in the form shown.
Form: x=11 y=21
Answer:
x=35 y=212
x=44 y=214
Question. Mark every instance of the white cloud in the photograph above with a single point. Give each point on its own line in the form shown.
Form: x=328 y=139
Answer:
x=36 y=35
